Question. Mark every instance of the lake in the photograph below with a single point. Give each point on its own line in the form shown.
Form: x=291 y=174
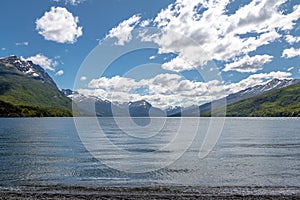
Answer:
x=250 y=152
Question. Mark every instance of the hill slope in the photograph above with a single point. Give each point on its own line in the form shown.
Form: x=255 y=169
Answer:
x=284 y=102
x=29 y=91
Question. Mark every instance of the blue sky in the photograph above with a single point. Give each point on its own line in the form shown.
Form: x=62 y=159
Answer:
x=201 y=50
x=95 y=17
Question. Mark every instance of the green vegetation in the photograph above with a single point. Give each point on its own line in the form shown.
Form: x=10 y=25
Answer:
x=284 y=102
x=25 y=96
x=9 y=110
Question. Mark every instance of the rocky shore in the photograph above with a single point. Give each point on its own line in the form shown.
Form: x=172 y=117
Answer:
x=150 y=193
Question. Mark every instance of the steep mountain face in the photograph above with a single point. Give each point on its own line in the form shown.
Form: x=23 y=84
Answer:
x=283 y=102
x=239 y=96
x=67 y=92
x=260 y=89
x=28 y=69
x=142 y=104
x=143 y=108
x=29 y=90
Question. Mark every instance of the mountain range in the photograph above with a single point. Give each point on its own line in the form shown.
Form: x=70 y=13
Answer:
x=91 y=105
x=250 y=92
x=105 y=108
x=282 y=102
x=26 y=90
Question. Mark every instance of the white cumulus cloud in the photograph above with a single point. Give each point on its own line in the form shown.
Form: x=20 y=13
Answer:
x=71 y=2
x=59 y=25
x=83 y=78
x=290 y=53
x=201 y=31
x=145 y=23
x=292 y=39
x=115 y=83
x=165 y=90
x=22 y=43
x=123 y=31
x=59 y=73
x=74 y=2
x=178 y=64
x=198 y=32
x=249 y=64
x=43 y=61
x=152 y=57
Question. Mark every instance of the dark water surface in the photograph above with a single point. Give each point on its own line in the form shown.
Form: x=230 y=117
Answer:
x=251 y=152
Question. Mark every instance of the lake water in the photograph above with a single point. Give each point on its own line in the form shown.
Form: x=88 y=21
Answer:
x=263 y=152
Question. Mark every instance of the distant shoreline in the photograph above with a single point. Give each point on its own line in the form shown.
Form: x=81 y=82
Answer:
x=24 y=117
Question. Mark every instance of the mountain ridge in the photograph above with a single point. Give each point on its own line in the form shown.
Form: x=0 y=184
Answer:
x=29 y=91
x=107 y=108
x=282 y=102
x=26 y=89
x=239 y=96
x=28 y=68
x=94 y=106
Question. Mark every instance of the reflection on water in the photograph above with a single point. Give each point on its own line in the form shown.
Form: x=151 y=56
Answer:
x=250 y=152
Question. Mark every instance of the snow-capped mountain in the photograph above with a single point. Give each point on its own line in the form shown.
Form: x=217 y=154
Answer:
x=26 y=90
x=236 y=97
x=261 y=89
x=90 y=104
x=28 y=68
x=173 y=111
x=250 y=92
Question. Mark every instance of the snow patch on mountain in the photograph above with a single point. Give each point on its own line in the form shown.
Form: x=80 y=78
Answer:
x=28 y=68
